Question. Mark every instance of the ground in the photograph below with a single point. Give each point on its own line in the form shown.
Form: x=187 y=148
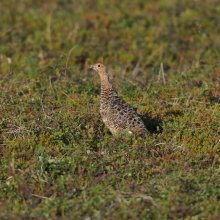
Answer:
x=58 y=160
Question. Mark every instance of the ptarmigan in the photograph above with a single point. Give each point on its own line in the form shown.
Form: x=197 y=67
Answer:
x=117 y=115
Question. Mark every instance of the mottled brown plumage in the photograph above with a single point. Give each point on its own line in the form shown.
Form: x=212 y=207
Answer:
x=117 y=115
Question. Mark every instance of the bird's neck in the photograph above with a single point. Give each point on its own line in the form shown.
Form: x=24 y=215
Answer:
x=107 y=89
x=105 y=84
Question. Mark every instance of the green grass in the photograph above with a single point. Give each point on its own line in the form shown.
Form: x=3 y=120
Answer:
x=58 y=160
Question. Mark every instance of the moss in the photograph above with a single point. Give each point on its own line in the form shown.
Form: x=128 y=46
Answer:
x=57 y=158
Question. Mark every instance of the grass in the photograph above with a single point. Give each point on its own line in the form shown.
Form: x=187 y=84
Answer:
x=58 y=161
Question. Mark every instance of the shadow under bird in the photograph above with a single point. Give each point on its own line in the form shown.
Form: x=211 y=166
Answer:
x=117 y=115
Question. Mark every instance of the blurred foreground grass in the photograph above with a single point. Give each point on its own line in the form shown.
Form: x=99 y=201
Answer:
x=57 y=158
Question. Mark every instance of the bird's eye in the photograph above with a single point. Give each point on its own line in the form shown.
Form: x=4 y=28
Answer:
x=98 y=65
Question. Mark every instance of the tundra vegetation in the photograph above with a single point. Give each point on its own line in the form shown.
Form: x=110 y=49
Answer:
x=58 y=160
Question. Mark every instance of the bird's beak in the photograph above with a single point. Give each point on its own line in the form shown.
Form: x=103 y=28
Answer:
x=91 y=67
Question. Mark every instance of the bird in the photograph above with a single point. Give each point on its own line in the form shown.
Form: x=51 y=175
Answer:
x=117 y=115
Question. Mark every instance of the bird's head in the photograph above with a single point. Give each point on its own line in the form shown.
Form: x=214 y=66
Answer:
x=99 y=68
